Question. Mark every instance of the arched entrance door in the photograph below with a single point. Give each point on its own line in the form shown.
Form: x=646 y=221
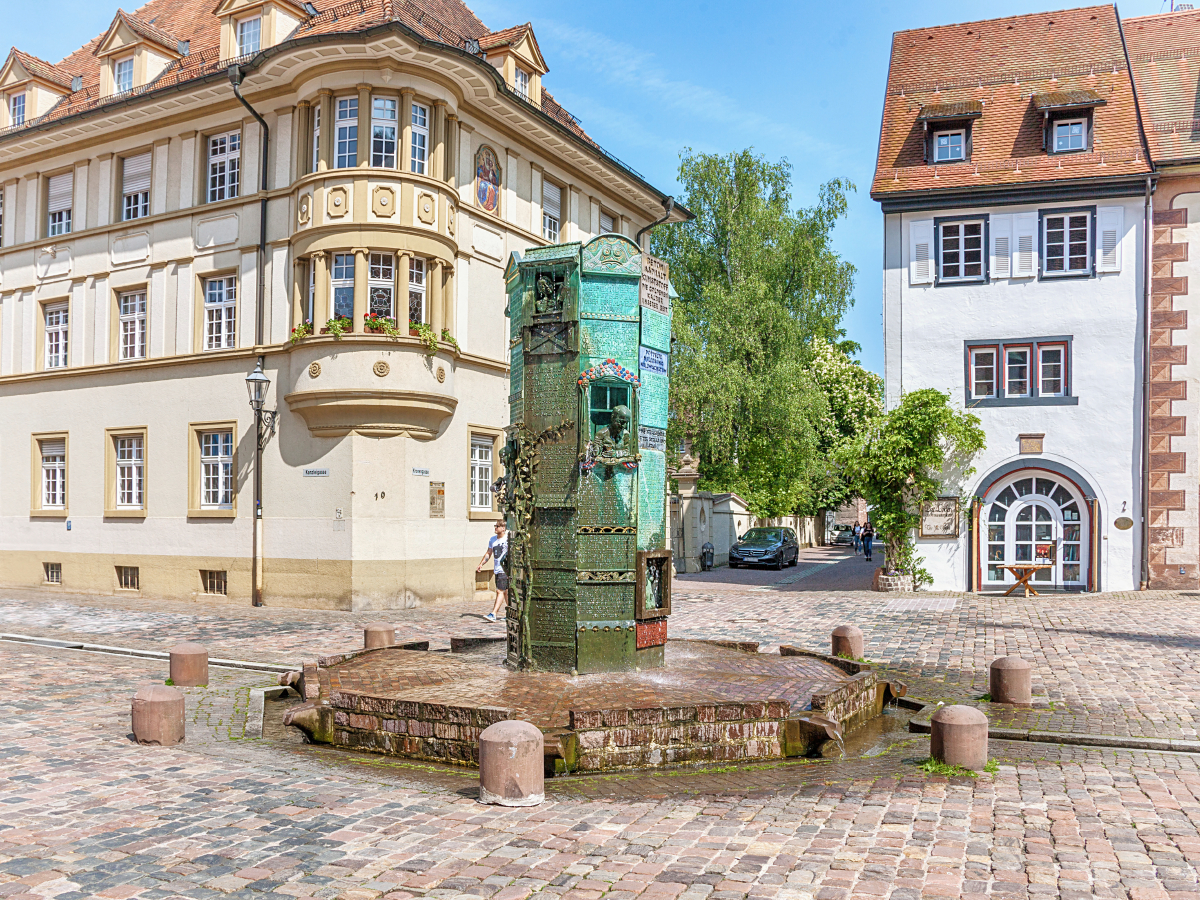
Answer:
x=1034 y=517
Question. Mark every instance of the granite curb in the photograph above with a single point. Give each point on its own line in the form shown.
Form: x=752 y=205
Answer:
x=143 y=654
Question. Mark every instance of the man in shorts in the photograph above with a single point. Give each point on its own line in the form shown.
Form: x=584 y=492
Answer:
x=497 y=550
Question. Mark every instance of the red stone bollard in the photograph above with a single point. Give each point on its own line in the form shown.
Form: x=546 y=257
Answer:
x=959 y=737
x=511 y=764
x=158 y=715
x=1010 y=680
x=848 y=641
x=189 y=665
x=378 y=634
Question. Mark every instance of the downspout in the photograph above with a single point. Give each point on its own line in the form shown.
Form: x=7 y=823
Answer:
x=1147 y=246
x=668 y=208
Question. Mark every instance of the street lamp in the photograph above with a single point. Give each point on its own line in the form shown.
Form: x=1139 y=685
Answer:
x=257 y=384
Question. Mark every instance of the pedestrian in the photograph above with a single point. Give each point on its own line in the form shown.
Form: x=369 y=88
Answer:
x=857 y=532
x=868 y=537
x=497 y=550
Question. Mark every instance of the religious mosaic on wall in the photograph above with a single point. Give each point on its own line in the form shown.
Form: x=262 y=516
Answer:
x=584 y=494
x=487 y=179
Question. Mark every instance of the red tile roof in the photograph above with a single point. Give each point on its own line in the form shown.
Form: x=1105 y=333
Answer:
x=1164 y=51
x=39 y=68
x=1002 y=63
x=147 y=30
x=504 y=36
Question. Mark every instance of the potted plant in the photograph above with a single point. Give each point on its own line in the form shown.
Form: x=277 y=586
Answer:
x=425 y=333
x=377 y=324
x=300 y=332
x=337 y=326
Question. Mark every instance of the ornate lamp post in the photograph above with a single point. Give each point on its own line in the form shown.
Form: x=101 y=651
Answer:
x=257 y=384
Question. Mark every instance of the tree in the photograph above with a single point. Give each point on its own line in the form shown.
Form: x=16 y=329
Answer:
x=758 y=283
x=907 y=457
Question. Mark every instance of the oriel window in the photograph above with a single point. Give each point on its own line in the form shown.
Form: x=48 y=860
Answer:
x=383 y=132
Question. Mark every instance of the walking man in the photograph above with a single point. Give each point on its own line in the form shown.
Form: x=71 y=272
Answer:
x=868 y=537
x=497 y=550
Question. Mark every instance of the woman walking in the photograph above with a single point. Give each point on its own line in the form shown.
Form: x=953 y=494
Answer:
x=868 y=536
x=857 y=532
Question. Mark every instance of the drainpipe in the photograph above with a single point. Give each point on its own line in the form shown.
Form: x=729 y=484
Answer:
x=1147 y=240
x=668 y=207
x=235 y=78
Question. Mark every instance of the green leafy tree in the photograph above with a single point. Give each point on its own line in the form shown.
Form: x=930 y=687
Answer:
x=907 y=457
x=758 y=283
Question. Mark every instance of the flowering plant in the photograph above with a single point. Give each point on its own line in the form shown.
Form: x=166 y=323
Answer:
x=381 y=324
x=301 y=331
x=337 y=326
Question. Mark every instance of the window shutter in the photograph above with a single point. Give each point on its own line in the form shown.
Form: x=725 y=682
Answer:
x=920 y=257
x=552 y=199
x=54 y=447
x=1001 y=228
x=137 y=174
x=606 y=223
x=60 y=192
x=1025 y=256
x=1112 y=228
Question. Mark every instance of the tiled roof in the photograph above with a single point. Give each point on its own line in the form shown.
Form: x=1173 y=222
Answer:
x=1067 y=100
x=1001 y=64
x=504 y=37
x=967 y=109
x=147 y=30
x=1164 y=51
x=39 y=68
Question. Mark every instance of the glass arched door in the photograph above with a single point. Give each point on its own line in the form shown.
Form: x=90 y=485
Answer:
x=1034 y=518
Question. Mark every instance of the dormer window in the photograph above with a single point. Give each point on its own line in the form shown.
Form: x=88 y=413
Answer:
x=123 y=75
x=947 y=128
x=950 y=146
x=521 y=83
x=16 y=108
x=249 y=35
x=1070 y=134
x=1067 y=118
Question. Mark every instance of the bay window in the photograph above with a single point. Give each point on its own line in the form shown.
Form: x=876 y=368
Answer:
x=419 y=151
x=383 y=132
x=381 y=284
x=342 y=284
x=416 y=291
x=346 y=133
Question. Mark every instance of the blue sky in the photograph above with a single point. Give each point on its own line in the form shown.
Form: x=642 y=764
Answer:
x=797 y=80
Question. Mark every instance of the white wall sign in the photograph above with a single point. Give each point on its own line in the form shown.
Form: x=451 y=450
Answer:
x=420 y=473
x=653 y=361
x=316 y=473
x=939 y=518
x=652 y=438
x=654 y=286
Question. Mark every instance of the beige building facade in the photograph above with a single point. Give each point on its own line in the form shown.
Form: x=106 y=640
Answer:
x=405 y=159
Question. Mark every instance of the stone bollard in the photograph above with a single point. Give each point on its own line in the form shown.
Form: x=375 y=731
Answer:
x=189 y=665
x=158 y=715
x=848 y=641
x=377 y=635
x=1010 y=680
x=511 y=765
x=959 y=737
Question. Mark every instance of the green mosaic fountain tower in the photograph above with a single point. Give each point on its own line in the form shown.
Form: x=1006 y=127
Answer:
x=590 y=575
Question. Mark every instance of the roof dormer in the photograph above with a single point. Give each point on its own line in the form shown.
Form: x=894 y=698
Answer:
x=29 y=88
x=515 y=52
x=133 y=52
x=248 y=26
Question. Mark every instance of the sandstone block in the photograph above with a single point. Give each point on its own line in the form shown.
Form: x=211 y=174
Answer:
x=1010 y=680
x=848 y=641
x=158 y=715
x=511 y=765
x=960 y=737
x=189 y=665
x=378 y=634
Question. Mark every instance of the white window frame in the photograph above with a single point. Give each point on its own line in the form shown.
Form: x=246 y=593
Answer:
x=1 y=217
x=316 y=138
x=419 y=143
x=135 y=203
x=248 y=40
x=1042 y=350
x=982 y=250
x=216 y=470
x=341 y=278
x=16 y=108
x=385 y=121
x=551 y=224
x=224 y=166
x=962 y=145
x=1059 y=123
x=54 y=473
x=482 y=456
x=521 y=82
x=345 y=134
x=1066 y=244
x=58 y=210
x=121 y=69
x=129 y=452
x=131 y=313
x=417 y=270
x=977 y=364
x=1010 y=349
x=56 y=317
x=220 y=313
x=381 y=276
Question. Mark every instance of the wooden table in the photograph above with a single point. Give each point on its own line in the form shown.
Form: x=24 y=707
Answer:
x=1023 y=572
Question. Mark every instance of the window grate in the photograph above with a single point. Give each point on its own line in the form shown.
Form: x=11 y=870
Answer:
x=53 y=572
x=214 y=581
x=128 y=578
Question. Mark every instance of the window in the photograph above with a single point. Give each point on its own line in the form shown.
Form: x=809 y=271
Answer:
x=216 y=470
x=220 y=313
x=420 y=138
x=381 y=284
x=1016 y=372
x=214 y=581
x=983 y=373
x=383 y=132
x=128 y=578
x=1070 y=134
x=343 y=286
x=606 y=223
x=604 y=398
x=960 y=251
x=1067 y=244
x=123 y=75
x=16 y=108
x=521 y=83
x=481 y=473
x=1051 y=362
x=54 y=473
x=52 y=573
x=316 y=137
x=950 y=146
x=312 y=289
x=346 y=133
x=132 y=325
x=59 y=192
x=551 y=210
x=416 y=291
x=135 y=186
x=130 y=474
x=224 y=166
x=57 y=326
x=249 y=32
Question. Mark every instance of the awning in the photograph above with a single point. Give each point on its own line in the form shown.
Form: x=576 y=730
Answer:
x=966 y=109
x=1067 y=100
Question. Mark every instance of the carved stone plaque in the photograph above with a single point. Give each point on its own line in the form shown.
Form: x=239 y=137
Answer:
x=939 y=518
x=600 y=340
x=653 y=401
x=655 y=285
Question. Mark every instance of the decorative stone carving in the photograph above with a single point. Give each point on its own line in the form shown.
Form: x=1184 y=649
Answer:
x=381 y=368
x=337 y=203
x=441 y=374
x=378 y=412
x=383 y=201
x=426 y=207
x=304 y=210
x=450 y=219
x=314 y=369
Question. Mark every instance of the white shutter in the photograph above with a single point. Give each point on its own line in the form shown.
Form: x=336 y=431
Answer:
x=552 y=199
x=54 y=447
x=1001 y=228
x=137 y=174
x=1025 y=256
x=60 y=192
x=606 y=223
x=1112 y=229
x=920 y=256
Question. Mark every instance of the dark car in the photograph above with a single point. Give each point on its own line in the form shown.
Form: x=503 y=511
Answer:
x=775 y=546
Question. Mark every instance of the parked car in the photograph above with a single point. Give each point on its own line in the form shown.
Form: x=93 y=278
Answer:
x=776 y=547
x=842 y=534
